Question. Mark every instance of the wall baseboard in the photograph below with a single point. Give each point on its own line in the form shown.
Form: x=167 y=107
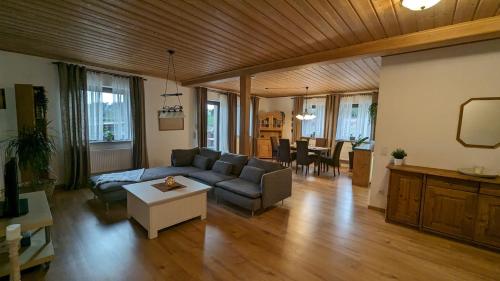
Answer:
x=382 y=210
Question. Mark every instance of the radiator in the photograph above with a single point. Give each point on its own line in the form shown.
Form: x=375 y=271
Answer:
x=107 y=160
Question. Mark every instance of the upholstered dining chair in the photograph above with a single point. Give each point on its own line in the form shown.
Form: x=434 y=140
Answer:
x=274 y=148
x=334 y=160
x=307 y=139
x=304 y=158
x=285 y=156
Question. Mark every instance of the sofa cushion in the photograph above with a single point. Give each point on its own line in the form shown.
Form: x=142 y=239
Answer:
x=210 y=177
x=252 y=174
x=222 y=167
x=241 y=187
x=237 y=160
x=211 y=154
x=267 y=166
x=183 y=157
x=201 y=162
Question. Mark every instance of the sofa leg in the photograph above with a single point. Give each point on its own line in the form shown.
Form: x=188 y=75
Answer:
x=252 y=213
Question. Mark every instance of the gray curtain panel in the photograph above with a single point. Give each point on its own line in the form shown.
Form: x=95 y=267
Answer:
x=331 y=115
x=73 y=91
x=255 y=124
x=139 y=148
x=232 y=103
x=298 y=104
x=201 y=102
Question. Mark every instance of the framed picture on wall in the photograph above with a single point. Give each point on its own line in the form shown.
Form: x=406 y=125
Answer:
x=3 y=103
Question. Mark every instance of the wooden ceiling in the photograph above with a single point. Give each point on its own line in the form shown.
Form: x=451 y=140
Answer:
x=357 y=75
x=212 y=36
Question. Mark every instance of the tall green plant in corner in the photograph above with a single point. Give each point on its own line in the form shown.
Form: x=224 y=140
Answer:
x=34 y=149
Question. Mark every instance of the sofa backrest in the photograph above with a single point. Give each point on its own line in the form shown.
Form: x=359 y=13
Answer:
x=238 y=161
x=183 y=157
x=211 y=154
x=267 y=166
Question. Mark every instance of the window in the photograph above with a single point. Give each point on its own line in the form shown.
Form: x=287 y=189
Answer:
x=354 y=117
x=108 y=108
x=213 y=120
x=314 y=128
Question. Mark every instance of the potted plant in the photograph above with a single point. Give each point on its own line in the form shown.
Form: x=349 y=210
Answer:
x=399 y=156
x=355 y=143
x=34 y=149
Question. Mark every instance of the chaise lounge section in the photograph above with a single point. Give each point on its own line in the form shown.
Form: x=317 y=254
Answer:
x=251 y=184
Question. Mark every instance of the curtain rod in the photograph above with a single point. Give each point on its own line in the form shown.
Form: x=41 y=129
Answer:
x=103 y=71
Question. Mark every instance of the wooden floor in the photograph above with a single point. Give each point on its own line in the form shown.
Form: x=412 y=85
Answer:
x=323 y=232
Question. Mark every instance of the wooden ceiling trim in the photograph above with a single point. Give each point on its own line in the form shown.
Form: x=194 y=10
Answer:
x=173 y=38
x=483 y=29
x=255 y=26
x=202 y=14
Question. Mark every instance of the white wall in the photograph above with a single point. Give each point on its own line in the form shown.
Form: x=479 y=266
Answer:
x=23 y=69
x=284 y=104
x=419 y=104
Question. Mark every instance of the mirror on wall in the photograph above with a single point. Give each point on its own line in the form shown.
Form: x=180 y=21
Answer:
x=479 y=123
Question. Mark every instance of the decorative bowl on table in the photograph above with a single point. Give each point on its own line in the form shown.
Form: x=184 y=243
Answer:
x=170 y=181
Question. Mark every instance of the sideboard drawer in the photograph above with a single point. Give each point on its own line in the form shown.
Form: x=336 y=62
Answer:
x=450 y=183
x=490 y=189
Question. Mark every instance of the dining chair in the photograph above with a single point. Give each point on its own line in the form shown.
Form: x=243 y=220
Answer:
x=307 y=139
x=304 y=158
x=285 y=156
x=274 y=147
x=334 y=160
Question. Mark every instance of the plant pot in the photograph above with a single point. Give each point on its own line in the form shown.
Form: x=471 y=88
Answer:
x=399 y=162
x=351 y=159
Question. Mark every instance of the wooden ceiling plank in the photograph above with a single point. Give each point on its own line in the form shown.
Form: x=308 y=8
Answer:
x=352 y=75
x=387 y=16
x=335 y=20
x=206 y=13
x=366 y=71
x=295 y=17
x=347 y=12
x=365 y=11
x=443 y=12
x=255 y=26
x=407 y=19
x=465 y=10
x=316 y=19
x=486 y=8
x=454 y=34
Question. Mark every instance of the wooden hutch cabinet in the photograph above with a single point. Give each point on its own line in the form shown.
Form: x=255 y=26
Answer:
x=446 y=203
x=270 y=125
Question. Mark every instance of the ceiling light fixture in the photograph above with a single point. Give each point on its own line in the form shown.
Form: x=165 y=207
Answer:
x=305 y=115
x=418 y=5
x=176 y=110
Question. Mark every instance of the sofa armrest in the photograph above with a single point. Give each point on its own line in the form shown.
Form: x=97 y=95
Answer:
x=276 y=186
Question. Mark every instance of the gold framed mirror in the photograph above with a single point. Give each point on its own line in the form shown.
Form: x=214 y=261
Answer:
x=479 y=123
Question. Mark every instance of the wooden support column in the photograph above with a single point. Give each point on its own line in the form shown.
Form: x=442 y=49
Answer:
x=245 y=88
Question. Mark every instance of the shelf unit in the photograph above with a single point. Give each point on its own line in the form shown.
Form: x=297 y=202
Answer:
x=270 y=125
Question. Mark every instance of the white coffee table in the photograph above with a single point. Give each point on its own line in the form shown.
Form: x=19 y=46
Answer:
x=156 y=210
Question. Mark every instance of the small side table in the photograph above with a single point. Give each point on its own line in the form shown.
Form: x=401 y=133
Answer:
x=39 y=221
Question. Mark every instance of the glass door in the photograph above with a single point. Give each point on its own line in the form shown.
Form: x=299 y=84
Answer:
x=213 y=119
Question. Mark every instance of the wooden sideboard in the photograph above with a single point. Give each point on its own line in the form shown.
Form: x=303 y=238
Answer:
x=445 y=202
x=362 y=165
x=270 y=125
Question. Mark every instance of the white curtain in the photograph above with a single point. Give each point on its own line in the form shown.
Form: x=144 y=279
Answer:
x=223 y=127
x=95 y=106
x=120 y=108
x=354 y=117
x=314 y=127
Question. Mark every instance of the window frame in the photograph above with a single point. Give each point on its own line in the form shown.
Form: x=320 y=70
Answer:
x=217 y=104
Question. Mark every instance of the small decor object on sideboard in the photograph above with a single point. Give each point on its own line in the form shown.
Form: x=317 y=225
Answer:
x=399 y=156
x=478 y=171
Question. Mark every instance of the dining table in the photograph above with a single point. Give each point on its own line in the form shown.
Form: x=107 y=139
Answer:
x=319 y=150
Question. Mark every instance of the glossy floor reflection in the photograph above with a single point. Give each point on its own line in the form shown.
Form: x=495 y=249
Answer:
x=324 y=232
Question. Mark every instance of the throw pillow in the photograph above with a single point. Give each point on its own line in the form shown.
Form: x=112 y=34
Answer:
x=201 y=162
x=252 y=174
x=211 y=154
x=183 y=157
x=237 y=160
x=222 y=167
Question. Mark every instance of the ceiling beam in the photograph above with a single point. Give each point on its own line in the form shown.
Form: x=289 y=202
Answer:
x=471 y=31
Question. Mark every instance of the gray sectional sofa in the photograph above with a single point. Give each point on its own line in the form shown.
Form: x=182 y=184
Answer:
x=251 y=184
